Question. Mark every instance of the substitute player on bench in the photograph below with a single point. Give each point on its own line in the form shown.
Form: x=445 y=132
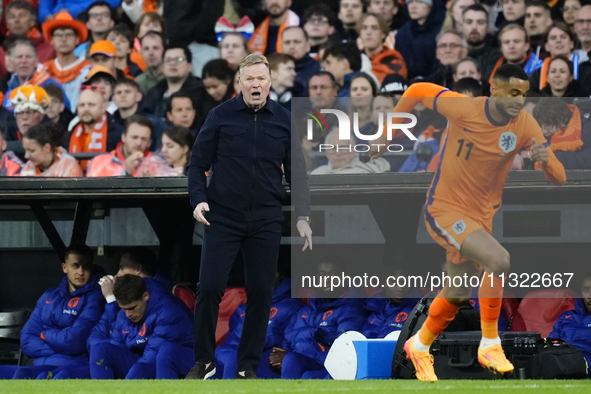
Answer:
x=484 y=136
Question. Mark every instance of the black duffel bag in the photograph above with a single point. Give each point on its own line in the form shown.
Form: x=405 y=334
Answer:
x=557 y=359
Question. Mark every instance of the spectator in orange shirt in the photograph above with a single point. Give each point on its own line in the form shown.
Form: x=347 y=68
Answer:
x=44 y=154
x=20 y=20
x=373 y=30
x=130 y=152
x=94 y=132
x=122 y=38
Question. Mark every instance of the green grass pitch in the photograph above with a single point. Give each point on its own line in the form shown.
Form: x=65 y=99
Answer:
x=295 y=386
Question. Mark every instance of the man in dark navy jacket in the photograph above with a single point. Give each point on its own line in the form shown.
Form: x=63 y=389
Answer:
x=246 y=141
x=56 y=333
x=144 y=324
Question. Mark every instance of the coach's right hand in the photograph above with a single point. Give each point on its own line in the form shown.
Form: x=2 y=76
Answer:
x=198 y=212
x=378 y=147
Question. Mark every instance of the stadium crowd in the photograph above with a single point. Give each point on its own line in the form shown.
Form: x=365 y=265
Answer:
x=121 y=88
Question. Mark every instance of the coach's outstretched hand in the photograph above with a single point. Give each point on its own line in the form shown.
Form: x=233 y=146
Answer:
x=305 y=231
x=539 y=153
x=199 y=211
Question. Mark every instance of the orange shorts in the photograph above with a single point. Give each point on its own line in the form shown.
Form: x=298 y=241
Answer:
x=450 y=228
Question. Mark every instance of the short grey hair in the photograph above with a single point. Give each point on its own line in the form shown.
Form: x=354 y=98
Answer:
x=251 y=60
x=453 y=31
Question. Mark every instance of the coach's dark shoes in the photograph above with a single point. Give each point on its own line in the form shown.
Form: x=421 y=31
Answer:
x=246 y=375
x=201 y=371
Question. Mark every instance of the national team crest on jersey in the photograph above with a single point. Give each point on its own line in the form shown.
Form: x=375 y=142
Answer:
x=459 y=227
x=508 y=141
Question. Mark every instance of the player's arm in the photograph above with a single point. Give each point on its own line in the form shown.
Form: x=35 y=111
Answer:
x=425 y=93
x=547 y=161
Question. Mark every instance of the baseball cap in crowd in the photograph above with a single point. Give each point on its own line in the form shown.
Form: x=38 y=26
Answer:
x=97 y=70
x=29 y=96
x=64 y=20
x=394 y=84
x=103 y=47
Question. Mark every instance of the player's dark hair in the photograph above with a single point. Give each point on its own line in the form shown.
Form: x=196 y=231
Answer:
x=468 y=85
x=347 y=51
x=508 y=71
x=139 y=258
x=129 y=288
x=142 y=121
x=80 y=250
x=552 y=112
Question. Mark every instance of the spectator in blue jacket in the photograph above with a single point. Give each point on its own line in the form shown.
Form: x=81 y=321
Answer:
x=283 y=308
x=567 y=130
x=312 y=331
x=55 y=335
x=416 y=41
x=389 y=309
x=48 y=9
x=143 y=325
x=574 y=326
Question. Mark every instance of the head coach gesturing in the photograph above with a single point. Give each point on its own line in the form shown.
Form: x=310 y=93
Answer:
x=246 y=141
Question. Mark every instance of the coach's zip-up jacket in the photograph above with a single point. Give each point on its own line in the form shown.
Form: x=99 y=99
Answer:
x=246 y=150
x=60 y=324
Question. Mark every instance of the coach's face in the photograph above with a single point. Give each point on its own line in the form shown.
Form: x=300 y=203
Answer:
x=255 y=83
x=586 y=292
x=510 y=96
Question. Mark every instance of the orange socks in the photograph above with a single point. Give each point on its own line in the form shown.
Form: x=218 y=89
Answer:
x=490 y=296
x=441 y=313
